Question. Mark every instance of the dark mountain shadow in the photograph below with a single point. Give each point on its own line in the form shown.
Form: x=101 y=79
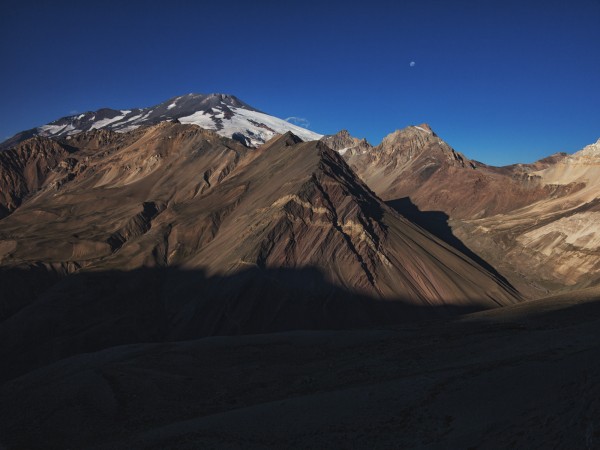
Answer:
x=158 y=396
x=19 y=287
x=436 y=222
x=90 y=311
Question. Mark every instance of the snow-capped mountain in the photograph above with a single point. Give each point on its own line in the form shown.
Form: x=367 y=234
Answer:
x=588 y=154
x=225 y=114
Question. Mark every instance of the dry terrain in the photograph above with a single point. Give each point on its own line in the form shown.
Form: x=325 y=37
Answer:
x=534 y=223
x=169 y=287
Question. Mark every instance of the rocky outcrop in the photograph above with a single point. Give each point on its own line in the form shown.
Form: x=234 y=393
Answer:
x=343 y=143
x=27 y=168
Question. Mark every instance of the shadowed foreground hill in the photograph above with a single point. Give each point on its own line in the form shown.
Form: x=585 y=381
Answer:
x=519 y=377
x=91 y=311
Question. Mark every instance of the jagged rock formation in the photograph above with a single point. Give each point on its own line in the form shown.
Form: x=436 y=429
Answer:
x=27 y=167
x=346 y=145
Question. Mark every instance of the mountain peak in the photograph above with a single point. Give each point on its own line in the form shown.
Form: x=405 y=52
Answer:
x=286 y=139
x=225 y=114
x=424 y=127
x=587 y=154
x=422 y=131
x=345 y=144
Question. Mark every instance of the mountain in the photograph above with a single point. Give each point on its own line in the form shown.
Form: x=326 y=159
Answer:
x=162 y=285
x=413 y=170
x=173 y=232
x=556 y=238
x=225 y=114
x=416 y=163
x=345 y=144
x=535 y=223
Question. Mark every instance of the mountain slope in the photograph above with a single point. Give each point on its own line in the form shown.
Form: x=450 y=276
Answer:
x=288 y=204
x=556 y=238
x=414 y=162
x=26 y=168
x=173 y=232
x=226 y=114
x=535 y=223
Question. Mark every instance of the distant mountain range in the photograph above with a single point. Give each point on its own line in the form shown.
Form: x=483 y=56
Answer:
x=225 y=114
x=545 y=210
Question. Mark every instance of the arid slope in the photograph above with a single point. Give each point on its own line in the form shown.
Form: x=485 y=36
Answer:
x=558 y=237
x=173 y=232
x=535 y=223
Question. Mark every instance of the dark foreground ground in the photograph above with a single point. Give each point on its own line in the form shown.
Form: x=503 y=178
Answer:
x=525 y=376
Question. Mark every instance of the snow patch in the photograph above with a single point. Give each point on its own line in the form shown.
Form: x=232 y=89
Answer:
x=262 y=126
x=201 y=119
x=257 y=127
x=50 y=130
x=134 y=118
x=591 y=151
x=104 y=122
x=57 y=130
x=422 y=129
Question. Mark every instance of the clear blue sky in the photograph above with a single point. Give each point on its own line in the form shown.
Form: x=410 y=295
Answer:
x=500 y=81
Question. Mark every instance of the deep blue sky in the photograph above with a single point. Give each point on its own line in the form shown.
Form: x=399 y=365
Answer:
x=500 y=81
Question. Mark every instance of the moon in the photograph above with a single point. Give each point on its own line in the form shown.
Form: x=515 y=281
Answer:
x=412 y=64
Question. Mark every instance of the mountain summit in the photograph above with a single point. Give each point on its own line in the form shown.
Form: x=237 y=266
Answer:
x=223 y=113
x=345 y=144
